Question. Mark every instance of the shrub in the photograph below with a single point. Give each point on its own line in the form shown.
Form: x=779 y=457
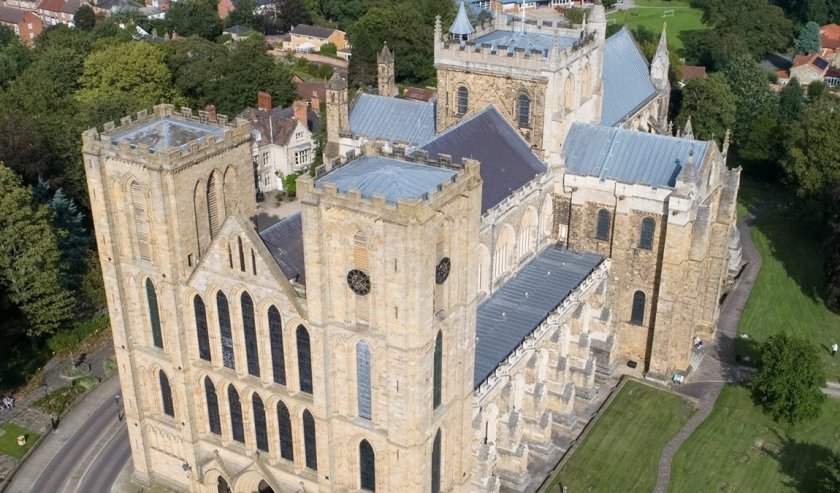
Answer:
x=58 y=400
x=108 y=366
x=63 y=342
x=329 y=49
x=86 y=383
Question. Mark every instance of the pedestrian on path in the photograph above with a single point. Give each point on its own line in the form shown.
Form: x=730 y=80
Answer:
x=833 y=349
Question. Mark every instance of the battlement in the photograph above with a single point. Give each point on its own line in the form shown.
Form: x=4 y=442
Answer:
x=165 y=137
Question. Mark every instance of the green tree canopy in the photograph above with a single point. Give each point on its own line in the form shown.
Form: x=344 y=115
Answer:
x=84 y=18
x=789 y=380
x=243 y=14
x=328 y=49
x=31 y=268
x=809 y=38
x=710 y=104
x=195 y=18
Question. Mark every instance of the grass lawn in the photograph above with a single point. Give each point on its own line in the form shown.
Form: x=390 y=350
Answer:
x=740 y=449
x=621 y=452
x=649 y=13
x=787 y=295
x=8 y=442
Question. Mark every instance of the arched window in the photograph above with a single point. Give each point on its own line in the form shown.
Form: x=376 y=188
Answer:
x=523 y=110
x=213 y=203
x=259 y=422
x=252 y=353
x=304 y=360
x=309 y=441
x=212 y=406
x=463 y=100
x=569 y=95
x=438 y=371
x=154 y=314
x=363 y=379
x=284 y=428
x=141 y=221
x=201 y=328
x=436 y=464
x=367 y=466
x=275 y=336
x=585 y=82
x=166 y=395
x=637 y=316
x=223 y=485
x=236 y=425
x=602 y=230
x=224 y=330
x=646 y=233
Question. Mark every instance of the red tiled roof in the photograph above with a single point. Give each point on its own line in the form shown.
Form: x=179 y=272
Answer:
x=63 y=6
x=815 y=62
x=692 y=72
x=783 y=75
x=418 y=93
x=830 y=36
x=305 y=90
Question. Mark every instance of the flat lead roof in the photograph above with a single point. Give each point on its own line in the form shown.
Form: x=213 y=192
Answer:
x=165 y=133
x=513 y=312
x=524 y=40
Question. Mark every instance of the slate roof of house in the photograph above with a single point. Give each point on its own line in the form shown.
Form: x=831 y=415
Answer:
x=628 y=156
x=507 y=162
x=285 y=242
x=305 y=90
x=627 y=85
x=391 y=178
x=313 y=121
x=313 y=31
x=9 y=15
x=238 y=29
x=513 y=312
x=392 y=119
x=165 y=133
x=282 y=127
x=527 y=41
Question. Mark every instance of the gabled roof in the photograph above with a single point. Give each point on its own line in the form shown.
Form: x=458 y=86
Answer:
x=238 y=29
x=63 y=6
x=284 y=241
x=392 y=178
x=814 y=62
x=8 y=15
x=314 y=31
x=627 y=85
x=520 y=306
x=628 y=156
x=507 y=162
x=392 y=119
x=830 y=36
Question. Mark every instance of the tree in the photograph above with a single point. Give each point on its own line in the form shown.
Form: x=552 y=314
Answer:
x=832 y=265
x=30 y=267
x=816 y=90
x=75 y=239
x=243 y=14
x=7 y=36
x=790 y=101
x=328 y=49
x=282 y=15
x=831 y=473
x=710 y=104
x=789 y=380
x=195 y=18
x=84 y=18
x=812 y=159
x=809 y=39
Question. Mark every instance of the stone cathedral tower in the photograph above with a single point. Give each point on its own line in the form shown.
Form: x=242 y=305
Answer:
x=385 y=64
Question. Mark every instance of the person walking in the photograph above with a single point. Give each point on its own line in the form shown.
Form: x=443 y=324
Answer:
x=833 y=349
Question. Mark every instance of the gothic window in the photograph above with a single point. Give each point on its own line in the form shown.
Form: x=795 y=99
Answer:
x=212 y=406
x=259 y=423
x=438 y=369
x=225 y=331
x=523 y=110
x=241 y=254
x=436 y=464
x=213 y=205
x=154 y=314
x=363 y=389
x=304 y=360
x=367 y=467
x=201 y=328
x=236 y=426
x=284 y=427
x=602 y=230
x=275 y=336
x=309 y=441
x=141 y=221
x=166 y=395
x=637 y=316
x=463 y=100
x=569 y=96
x=251 y=349
x=585 y=82
x=223 y=485
x=500 y=257
x=646 y=233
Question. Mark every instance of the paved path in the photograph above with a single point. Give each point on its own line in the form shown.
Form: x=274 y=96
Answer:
x=716 y=367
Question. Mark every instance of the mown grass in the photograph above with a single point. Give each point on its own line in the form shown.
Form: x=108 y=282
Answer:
x=621 y=452
x=649 y=13
x=8 y=442
x=740 y=449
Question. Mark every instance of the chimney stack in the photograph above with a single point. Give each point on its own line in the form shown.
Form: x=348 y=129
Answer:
x=315 y=102
x=264 y=101
x=300 y=110
x=211 y=112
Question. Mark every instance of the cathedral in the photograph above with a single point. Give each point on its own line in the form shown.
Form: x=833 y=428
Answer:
x=463 y=276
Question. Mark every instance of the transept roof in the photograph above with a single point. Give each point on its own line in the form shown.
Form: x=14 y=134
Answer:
x=627 y=85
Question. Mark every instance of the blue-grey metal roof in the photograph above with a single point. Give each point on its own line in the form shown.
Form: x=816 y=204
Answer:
x=462 y=25
x=392 y=178
x=166 y=133
x=507 y=162
x=627 y=84
x=285 y=242
x=527 y=41
x=520 y=306
x=392 y=119
x=628 y=156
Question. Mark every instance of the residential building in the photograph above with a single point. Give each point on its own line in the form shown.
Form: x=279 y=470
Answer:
x=54 y=12
x=311 y=38
x=24 y=23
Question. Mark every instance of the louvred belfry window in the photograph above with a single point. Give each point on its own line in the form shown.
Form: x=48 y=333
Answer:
x=141 y=222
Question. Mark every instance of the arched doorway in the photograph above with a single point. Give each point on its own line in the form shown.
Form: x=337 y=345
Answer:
x=223 y=485
x=264 y=488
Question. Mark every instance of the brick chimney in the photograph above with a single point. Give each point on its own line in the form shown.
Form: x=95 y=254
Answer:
x=211 y=112
x=299 y=109
x=264 y=101
x=315 y=103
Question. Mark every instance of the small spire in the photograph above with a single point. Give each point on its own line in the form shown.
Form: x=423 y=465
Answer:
x=688 y=132
x=385 y=56
x=663 y=39
x=461 y=26
x=725 y=148
x=336 y=82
